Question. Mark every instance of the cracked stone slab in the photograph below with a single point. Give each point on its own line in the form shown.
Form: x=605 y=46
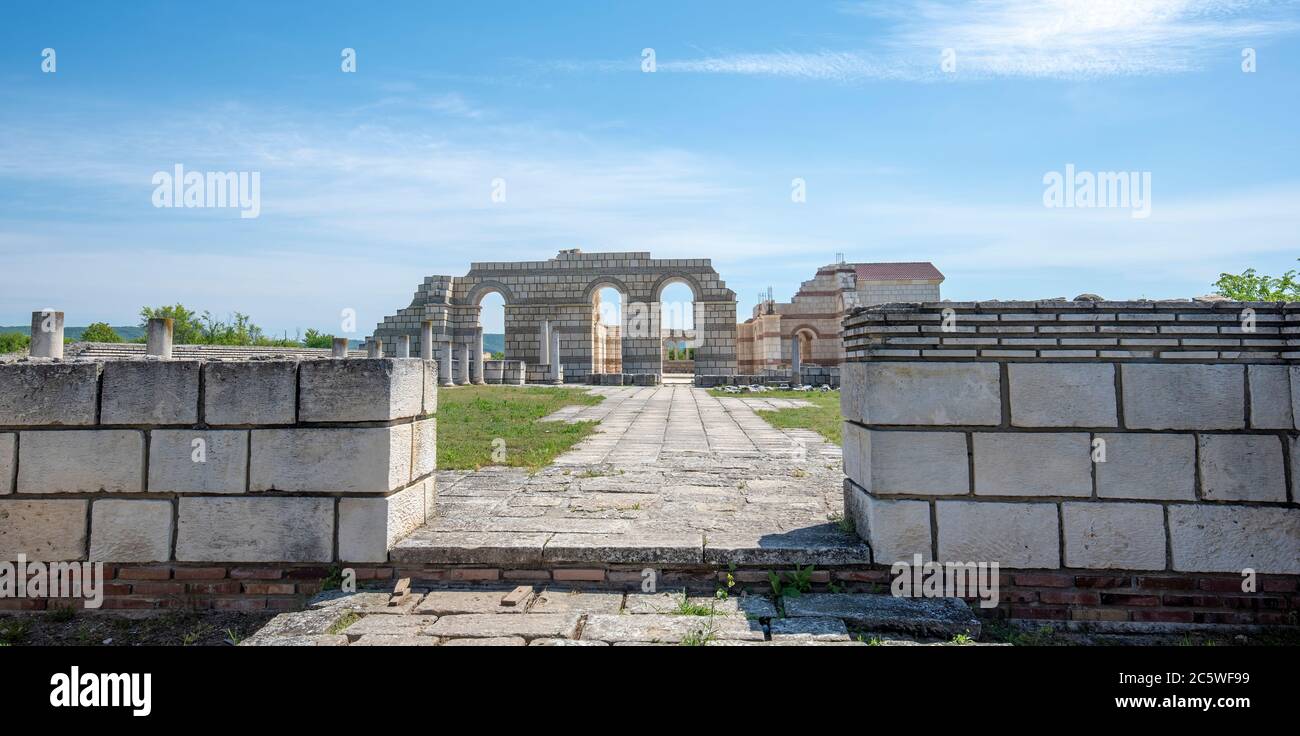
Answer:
x=939 y=617
x=814 y=546
x=356 y=601
x=297 y=624
x=389 y=626
x=566 y=643
x=271 y=640
x=493 y=641
x=444 y=602
x=812 y=628
x=491 y=625
x=657 y=628
x=654 y=548
x=396 y=640
x=475 y=548
x=559 y=600
x=752 y=606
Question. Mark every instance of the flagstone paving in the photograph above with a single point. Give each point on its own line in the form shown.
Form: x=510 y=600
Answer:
x=559 y=616
x=671 y=475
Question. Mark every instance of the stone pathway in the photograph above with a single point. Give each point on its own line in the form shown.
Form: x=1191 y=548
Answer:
x=671 y=475
x=534 y=616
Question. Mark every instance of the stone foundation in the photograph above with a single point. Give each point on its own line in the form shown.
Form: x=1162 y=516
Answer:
x=1108 y=441
x=188 y=461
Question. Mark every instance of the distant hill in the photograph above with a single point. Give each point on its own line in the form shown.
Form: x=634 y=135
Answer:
x=128 y=332
x=494 y=343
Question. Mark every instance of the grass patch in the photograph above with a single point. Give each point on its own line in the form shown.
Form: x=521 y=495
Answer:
x=471 y=420
x=823 y=417
x=349 y=618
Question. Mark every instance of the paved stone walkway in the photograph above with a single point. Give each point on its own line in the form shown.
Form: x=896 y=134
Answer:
x=535 y=616
x=671 y=475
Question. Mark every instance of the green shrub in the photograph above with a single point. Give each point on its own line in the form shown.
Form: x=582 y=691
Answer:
x=100 y=332
x=13 y=342
x=314 y=339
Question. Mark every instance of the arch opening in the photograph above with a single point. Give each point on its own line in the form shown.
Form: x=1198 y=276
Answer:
x=607 y=322
x=676 y=308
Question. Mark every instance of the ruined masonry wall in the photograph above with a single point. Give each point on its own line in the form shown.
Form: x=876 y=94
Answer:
x=974 y=441
x=303 y=461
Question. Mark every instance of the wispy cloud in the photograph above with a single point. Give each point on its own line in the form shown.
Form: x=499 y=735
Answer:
x=1023 y=38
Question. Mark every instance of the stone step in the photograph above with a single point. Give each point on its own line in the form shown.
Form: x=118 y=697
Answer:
x=941 y=618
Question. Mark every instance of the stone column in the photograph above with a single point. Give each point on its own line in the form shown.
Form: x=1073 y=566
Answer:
x=544 y=357
x=464 y=366
x=557 y=372
x=340 y=348
x=47 y=334
x=444 y=369
x=795 y=359
x=479 y=378
x=159 y=337
x=376 y=348
x=426 y=340
x=403 y=346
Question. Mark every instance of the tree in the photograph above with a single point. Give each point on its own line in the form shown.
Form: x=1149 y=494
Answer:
x=100 y=332
x=187 y=329
x=314 y=339
x=1249 y=286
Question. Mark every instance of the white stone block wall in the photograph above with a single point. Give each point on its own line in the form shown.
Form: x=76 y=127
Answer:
x=268 y=461
x=1123 y=436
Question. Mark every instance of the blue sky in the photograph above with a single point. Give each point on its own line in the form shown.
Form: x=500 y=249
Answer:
x=372 y=180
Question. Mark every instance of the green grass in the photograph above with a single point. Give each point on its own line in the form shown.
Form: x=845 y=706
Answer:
x=823 y=417
x=472 y=418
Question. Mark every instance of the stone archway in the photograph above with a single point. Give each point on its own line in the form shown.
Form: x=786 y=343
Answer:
x=557 y=293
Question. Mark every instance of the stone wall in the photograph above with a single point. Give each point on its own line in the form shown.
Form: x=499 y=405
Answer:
x=1079 y=436
x=188 y=461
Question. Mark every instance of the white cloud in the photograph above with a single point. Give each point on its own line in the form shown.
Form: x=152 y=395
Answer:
x=1024 y=38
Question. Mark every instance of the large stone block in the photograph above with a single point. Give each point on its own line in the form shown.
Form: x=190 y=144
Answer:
x=1148 y=466
x=344 y=459
x=250 y=392
x=1162 y=396
x=424 y=447
x=1062 y=394
x=8 y=461
x=1295 y=395
x=1270 y=397
x=1014 y=535
x=856 y=453
x=255 y=529
x=1232 y=538
x=927 y=463
x=369 y=527
x=39 y=394
x=895 y=529
x=921 y=393
x=81 y=461
x=150 y=392
x=1033 y=464
x=1241 y=467
x=1123 y=536
x=130 y=530
x=217 y=464
x=359 y=390
x=44 y=530
x=431 y=384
